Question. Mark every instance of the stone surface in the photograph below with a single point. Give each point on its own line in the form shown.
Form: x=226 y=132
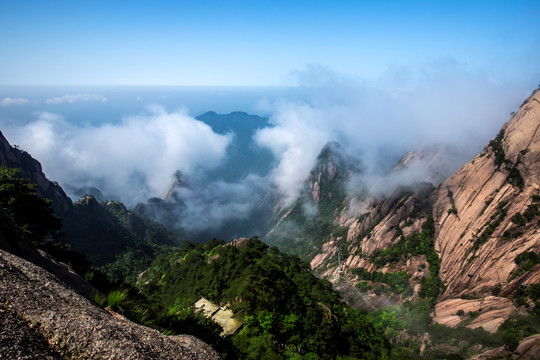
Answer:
x=480 y=190
x=481 y=197
x=53 y=319
x=528 y=349
x=493 y=311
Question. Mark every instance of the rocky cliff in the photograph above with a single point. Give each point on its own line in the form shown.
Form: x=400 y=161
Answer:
x=487 y=218
x=486 y=214
x=44 y=318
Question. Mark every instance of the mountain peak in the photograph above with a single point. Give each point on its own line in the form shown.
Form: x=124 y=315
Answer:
x=332 y=169
x=331 y=148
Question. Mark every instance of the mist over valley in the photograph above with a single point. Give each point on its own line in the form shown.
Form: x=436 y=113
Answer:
x=214 y=172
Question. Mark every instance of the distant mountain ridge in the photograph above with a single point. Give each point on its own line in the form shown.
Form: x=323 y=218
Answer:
x=244 y=155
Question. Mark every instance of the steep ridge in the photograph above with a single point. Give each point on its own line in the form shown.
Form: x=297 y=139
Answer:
x=485 y=216
x=30 y=168
x=302 y=227
x=487 y=213
x=44 y=303
x=487 y=219
x=118 y=241
x=121 y=242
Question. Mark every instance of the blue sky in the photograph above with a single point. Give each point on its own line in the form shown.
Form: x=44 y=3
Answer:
x=261 y=42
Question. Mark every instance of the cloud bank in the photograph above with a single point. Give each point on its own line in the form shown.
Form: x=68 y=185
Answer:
x=131 y=161
x=439 y=105
x=13 y=101
x=70 y=99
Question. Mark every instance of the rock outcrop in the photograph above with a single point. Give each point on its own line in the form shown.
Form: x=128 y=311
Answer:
x=490 y=312
x=528 y=349
x=333 y=167
x=486 y=214
x=43 y=318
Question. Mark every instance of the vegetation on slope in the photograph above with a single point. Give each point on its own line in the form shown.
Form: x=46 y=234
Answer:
x=28 y=221
x=417 y=244
x=287 y=312
x=24 y=214
x=514 y=175
x=119 y=242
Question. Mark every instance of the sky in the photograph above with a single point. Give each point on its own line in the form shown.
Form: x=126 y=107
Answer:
x=260 y=43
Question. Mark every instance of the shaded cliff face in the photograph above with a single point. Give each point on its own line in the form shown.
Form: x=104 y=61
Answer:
x=118 y=241
x=30 y=168
x=486 y=214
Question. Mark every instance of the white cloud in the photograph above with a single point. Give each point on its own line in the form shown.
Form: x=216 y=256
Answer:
x=130 y=161
x=440 y=104
x=76 y=98
x=298 y=135
x=13 y=101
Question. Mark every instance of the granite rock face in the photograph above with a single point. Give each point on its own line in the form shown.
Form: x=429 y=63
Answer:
x=480 y=240
x=44 y=318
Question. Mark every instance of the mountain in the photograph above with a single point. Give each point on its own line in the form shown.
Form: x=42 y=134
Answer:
x=487 y=215
x=444 y=266
x=114 y=239
x=44 y=302
x=244 y=156
x=461 y=255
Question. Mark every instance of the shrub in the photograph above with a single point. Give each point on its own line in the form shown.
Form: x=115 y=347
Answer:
x=473 y=314
x=116 y=297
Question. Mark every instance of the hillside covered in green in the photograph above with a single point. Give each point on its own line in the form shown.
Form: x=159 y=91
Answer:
x=286 y=311
x=117 y=241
